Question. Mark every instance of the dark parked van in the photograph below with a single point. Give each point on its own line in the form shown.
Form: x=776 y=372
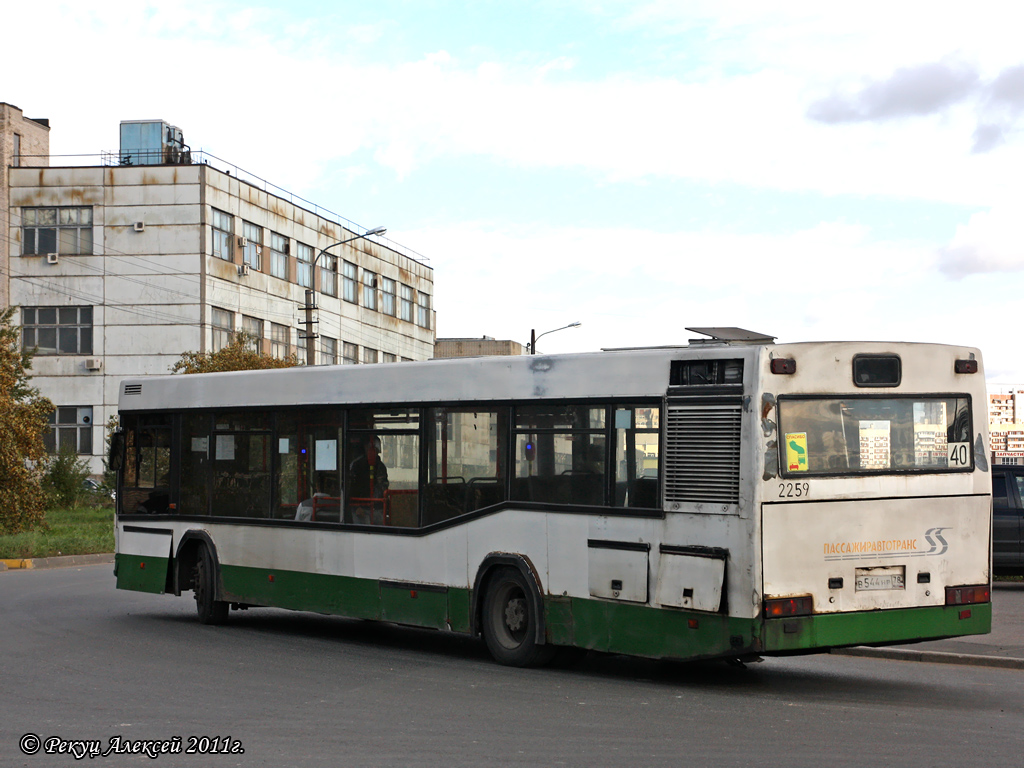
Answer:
x=1007 y=519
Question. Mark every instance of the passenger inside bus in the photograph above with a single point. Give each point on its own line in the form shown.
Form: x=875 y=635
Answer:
x=367 y=484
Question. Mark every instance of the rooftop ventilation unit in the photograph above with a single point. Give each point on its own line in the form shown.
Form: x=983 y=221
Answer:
x=153 y=142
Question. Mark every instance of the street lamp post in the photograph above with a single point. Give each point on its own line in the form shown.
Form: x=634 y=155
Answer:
x=534 y=337
x=311 y=294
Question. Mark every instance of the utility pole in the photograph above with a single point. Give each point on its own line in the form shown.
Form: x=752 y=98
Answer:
x=310 y=336
x=310 y=304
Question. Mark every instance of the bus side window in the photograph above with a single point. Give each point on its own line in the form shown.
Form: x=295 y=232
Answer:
x=195 y=465
x=382 y=483
x=466 y=461
x=637 y=431
x=561 y=454
x=240 y=445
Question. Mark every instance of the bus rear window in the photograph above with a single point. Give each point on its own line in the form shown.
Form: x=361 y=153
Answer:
x=867 y=435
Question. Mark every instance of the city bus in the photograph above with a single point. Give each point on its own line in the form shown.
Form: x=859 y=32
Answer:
x=729 y=498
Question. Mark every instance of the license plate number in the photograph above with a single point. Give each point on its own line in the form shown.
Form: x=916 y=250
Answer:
x=867 y=579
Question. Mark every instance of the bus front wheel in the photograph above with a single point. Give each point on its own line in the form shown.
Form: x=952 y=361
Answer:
x=509 y=622
x=208 y=607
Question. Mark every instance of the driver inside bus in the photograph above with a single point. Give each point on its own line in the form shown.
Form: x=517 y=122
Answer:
x=367 y=482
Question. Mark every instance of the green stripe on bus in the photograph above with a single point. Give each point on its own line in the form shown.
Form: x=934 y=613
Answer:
x=141 y=574
x=658 y=633
x=832 y=630
x=346 y=596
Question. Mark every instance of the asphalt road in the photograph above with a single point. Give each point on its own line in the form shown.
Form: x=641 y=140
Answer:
x=83 y=661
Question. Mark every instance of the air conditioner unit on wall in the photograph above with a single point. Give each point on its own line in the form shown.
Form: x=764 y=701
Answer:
x=93 y=363
x=242 y=242
x=52 y=258
x=243 y=270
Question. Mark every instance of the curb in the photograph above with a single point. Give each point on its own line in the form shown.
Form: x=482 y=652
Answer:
x=934 y=657
x=66 y=561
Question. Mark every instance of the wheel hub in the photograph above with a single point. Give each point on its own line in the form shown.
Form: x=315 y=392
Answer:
x=515 y=614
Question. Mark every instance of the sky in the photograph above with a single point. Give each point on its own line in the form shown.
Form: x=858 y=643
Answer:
x=807 y=170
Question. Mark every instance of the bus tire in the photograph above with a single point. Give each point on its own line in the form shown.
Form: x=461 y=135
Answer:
x=509 y=621
x=204 y=580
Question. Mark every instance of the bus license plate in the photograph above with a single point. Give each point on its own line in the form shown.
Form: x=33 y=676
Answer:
x=867 y=579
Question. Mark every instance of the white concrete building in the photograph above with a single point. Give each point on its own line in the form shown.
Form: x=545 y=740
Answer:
x=119 y=269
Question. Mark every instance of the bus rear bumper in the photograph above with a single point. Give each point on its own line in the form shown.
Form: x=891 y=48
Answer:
x=884 y=627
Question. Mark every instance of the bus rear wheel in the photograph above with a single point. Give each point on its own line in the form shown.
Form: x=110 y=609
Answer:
x=209 y=609
x=509 y=622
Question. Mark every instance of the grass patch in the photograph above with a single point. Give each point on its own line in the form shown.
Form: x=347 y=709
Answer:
x=75 y=531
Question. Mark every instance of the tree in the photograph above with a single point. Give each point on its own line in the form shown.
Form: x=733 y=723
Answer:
x=239 y=355
x=24 y=421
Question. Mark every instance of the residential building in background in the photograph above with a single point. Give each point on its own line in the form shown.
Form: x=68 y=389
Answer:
x=1006 y=430
x=120 y=267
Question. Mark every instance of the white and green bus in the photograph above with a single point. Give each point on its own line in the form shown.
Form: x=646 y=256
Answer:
x=730 y=498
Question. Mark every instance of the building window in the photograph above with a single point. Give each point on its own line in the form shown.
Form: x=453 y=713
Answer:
x=222 y=227
x=348 y=281
x=387 y=291
x=279 y=340
x=369 y=355
x=253 y=328
x=328 y=351
x=304 y=265
x=369 y=290
x=279 y=255
x=423 y=310
x=70 y=430
x=56 y=230
x=253 y=253
x=405 y=305
x=16 y=160
x=329 y=276
x=222 y=324
x=387 y=357
x=57 y=330
x=350 y=354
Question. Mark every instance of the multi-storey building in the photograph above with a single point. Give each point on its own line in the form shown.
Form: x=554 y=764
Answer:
x=24 y=142
x=1002 y=407
x=118 y=269
x=481 y=345
x=1006 y=432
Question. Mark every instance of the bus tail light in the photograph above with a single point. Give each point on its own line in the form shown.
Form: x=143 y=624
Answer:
x=965 y=366
x=779 y=607
x=784 y=365
x=968 y=595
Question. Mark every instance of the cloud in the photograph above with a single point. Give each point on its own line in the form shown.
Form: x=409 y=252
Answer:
x=909 y=92
x=1003 y=105
x=991 y=241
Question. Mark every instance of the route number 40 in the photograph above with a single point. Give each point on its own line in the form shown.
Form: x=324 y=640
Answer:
x=958 y=454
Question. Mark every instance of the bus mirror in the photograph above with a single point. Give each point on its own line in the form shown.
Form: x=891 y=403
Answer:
x=115 y=459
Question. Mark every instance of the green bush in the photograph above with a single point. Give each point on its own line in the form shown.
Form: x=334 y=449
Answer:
x=64 y=481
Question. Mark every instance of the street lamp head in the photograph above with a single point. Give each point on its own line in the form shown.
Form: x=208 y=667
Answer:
x=577 y=324
x=376 y=231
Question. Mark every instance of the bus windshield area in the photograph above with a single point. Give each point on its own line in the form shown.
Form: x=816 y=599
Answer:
x=874 y=435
